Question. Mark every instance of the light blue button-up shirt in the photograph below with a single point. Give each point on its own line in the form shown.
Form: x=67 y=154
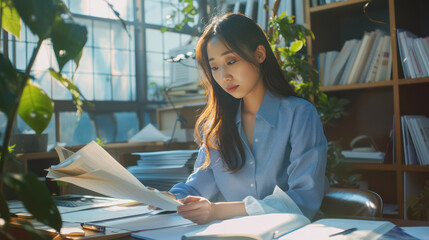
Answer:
x=289 y=151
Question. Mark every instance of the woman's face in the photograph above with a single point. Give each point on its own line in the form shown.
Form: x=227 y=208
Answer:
x=235 y=75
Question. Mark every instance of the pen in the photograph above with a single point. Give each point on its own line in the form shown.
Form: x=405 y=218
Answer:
x=345 y=232
x=93 y=227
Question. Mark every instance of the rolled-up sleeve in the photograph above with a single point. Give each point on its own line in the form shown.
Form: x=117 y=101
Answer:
x=200 y=183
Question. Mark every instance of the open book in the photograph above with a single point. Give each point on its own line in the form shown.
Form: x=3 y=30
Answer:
x=93 y=168
x=272 y=226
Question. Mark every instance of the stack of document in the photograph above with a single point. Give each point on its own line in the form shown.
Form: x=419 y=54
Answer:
x=363 y=157
x=163 y=169
x=415 y=137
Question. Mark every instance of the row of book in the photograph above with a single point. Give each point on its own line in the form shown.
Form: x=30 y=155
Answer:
x=359 y=61
x=163 y=169
x=415 y=137
x=315 y=3
x=414 y=53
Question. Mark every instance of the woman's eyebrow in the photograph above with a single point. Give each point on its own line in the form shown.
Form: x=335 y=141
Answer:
x=223 y=54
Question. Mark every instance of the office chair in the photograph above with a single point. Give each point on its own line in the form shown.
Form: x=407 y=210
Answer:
x=349 y=202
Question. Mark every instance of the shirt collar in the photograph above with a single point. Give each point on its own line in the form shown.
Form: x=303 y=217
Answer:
x=267 y=111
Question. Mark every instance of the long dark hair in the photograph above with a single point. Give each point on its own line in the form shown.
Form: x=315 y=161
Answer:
x=216 y=127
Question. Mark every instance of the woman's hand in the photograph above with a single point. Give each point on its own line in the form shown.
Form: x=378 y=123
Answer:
x=197 y=209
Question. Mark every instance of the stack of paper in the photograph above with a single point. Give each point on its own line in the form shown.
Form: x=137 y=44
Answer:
x=163 y=169
x=415 y=134
x=362 y=157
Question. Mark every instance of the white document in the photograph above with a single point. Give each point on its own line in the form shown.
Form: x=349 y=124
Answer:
x=325 y=227
x=100 y=214
x=93 y=168
x=417 y=232
x=147 y=222
x=149 y=134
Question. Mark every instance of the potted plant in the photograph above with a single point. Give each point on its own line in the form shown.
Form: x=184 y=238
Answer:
x=48 y=20
x=418 y=204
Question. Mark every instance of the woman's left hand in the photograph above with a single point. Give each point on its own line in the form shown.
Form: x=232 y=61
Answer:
x=197 y=209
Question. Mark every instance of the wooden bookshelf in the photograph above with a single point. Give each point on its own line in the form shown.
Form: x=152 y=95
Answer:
x=375 y=109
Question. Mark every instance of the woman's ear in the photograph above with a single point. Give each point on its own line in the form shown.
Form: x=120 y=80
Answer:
x=260 y=53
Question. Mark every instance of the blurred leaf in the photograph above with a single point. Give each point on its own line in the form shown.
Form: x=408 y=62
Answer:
x=77 y=95
x=296 y=46
x=118 y=16
x=38 y=15
x=34 y=233
x=68 y=40
x=164 y=29
x=35 y=108
x=35 y=197
x=11 y=21
x=9 y=85
x=4 y=210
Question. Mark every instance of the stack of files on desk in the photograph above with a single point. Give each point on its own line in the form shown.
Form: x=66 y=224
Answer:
x=362 y=157
x=415 y=137
x=163 y=169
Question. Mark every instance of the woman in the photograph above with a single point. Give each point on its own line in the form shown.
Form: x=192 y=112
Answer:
x=267 y=149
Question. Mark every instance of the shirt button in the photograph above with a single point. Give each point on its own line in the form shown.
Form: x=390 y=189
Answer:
x=251 y=163
x=256 y=140
x=252 y=185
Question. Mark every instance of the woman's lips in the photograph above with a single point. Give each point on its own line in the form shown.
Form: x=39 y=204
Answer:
x=232 y=89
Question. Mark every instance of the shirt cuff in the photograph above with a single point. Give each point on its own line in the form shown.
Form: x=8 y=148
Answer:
x=277 y=202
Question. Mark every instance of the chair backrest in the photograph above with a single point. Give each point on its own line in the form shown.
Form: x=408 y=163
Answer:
x=348 y=202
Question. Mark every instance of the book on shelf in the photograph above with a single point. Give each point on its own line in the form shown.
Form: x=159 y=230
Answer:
x=273 y=226
x=363 y=157
x=415 y=129
x=340 y=62
x=384 y=70
x=350 y=60
x=377 y=35
x=329 y=60
x=94 y=169
x=414 y=54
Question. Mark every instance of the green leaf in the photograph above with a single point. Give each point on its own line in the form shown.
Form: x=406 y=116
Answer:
x=36 y=108
x=38 y=15
x=296 y=46
x=68 y=39
x=35 y=197
x=164 y=29
x=11 y=21
x=77 y=95
x=9 y=85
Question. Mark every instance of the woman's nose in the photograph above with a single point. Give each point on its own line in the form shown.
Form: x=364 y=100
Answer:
x=225 y=74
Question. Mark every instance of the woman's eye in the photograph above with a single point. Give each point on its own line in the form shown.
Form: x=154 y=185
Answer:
x=231 y=62
x=214 y=68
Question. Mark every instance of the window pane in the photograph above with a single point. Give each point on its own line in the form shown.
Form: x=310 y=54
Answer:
x=42 y=60
x=153 y=12
x=104 y=87
x=99 y=8
x=155 y=86
x=121 y=88
x=132 y=63
x=127 y=125
x=155 y=64
x=102 y=61
x=105 y=127
x=133 y=88
x=120 y=36
x=172 y=41
x=85 y=84
x=153 y=40
x=21 y=61
x=30 y=37
x=120 y=63
x=85 y=64
x=79 y=7
x=102 y=34
x=74 y=132
x=124 y=8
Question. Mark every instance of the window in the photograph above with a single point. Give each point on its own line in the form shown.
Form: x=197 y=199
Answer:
x=120 y=71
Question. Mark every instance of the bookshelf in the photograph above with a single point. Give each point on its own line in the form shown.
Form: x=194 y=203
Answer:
x=375 y=109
